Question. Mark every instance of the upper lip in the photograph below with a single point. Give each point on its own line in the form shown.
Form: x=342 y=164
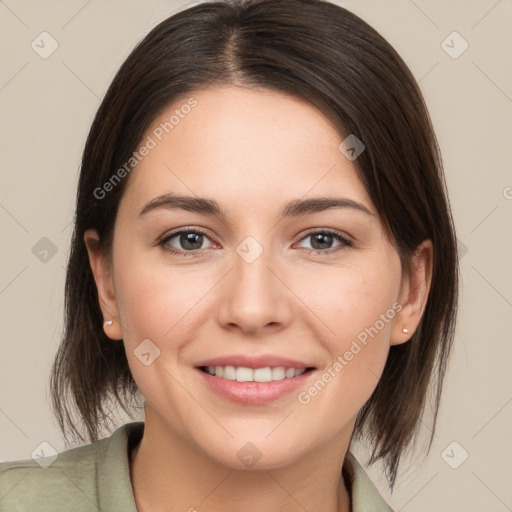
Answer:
x=254 y=361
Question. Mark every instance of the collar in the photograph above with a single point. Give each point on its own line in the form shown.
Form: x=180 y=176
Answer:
x=364 y=495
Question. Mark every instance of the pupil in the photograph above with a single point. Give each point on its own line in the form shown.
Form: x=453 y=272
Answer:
x=191 y=240
x=319 y=239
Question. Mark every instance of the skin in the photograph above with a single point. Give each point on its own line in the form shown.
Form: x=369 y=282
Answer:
x=251 y=150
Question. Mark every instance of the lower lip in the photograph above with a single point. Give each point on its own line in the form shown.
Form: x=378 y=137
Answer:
x=254 y=393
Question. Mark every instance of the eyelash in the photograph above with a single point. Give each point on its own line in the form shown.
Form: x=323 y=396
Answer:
x=163 y=242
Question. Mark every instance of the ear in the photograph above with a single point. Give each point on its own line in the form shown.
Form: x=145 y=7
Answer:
x=102 y=273
x=413 y=294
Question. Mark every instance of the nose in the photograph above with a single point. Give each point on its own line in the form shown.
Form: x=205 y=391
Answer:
x=254 y=297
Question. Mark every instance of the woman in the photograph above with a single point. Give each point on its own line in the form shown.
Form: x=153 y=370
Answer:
x=264 y=253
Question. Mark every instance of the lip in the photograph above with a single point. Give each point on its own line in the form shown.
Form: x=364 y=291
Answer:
x=254 y=393
x=254 y=361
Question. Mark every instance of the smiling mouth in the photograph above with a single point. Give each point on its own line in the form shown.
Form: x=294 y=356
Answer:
x=245 y=374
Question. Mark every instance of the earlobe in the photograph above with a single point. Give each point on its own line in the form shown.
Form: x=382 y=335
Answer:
x=104 y=283
x=414 y=295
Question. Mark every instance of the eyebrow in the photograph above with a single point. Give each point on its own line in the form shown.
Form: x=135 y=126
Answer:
x=294 y=208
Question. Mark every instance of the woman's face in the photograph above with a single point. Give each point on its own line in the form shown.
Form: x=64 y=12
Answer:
x=262 y=283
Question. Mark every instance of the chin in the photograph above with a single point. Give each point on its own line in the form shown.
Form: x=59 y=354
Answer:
x=254 y=455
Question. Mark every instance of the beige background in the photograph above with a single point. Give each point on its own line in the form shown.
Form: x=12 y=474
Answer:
x=47 y=105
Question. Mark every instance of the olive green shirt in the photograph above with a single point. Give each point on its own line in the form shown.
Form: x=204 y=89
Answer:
x=96 y=477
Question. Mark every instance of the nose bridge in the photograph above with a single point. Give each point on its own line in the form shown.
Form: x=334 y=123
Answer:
x=253 y=283
x=251 y=271
x=253 y=297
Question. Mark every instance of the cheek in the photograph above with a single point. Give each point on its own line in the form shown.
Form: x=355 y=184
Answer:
x=350 y=298
x=159 y=303
x=353 y=318
x=352 y=309
x=165 y=306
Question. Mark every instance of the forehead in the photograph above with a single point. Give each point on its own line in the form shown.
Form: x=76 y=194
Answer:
x=237 y=144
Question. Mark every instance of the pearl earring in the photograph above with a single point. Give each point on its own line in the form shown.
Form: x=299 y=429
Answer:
x=405 y=330
x=108 y=322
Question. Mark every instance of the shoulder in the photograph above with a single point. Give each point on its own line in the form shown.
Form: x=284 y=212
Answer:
x=364 y=495
x=63 y=480
x=79 y=479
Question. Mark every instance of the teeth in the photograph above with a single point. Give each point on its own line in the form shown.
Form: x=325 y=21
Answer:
x=228 y=372
x=262 y=375
x=243 y=374
x=278 y=373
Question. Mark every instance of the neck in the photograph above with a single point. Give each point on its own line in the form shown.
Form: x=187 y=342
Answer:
x=169 y=474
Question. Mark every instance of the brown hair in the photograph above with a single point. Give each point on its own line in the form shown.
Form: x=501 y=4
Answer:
x=329 y=57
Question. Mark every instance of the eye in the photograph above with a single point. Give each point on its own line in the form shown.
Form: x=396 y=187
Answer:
x=191 y=241
x=322 y=241
x=187 y=240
